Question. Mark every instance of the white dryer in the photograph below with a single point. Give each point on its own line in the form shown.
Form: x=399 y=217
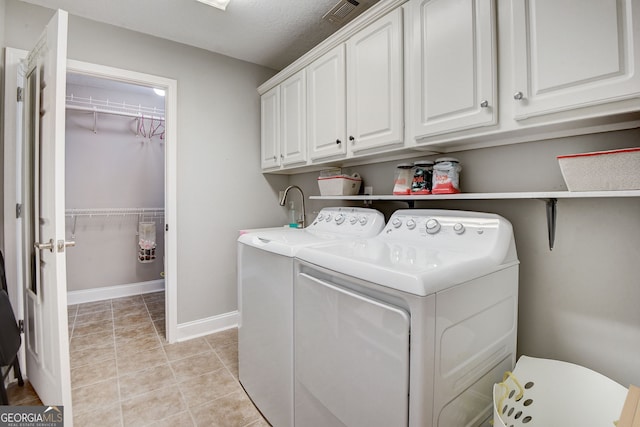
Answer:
x=408 y=328
x=265 y=302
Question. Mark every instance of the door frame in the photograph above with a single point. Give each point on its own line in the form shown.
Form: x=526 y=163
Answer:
x=170 y=176
x=12 y=224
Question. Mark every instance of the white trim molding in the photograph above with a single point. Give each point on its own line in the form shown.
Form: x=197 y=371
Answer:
x=209 y=325
x=110 y=292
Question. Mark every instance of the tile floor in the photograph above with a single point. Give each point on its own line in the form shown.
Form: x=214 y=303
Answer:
x=124 y=373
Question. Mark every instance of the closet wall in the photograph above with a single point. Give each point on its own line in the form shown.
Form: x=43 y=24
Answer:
x=110 y=164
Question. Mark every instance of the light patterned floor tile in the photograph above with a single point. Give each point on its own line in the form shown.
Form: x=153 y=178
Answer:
x=93 y=373
x=196 y=365
x=153 y=406
x=147 y=380
x=186 y=349
x=232 y=410
x=91 y=397
x=102 y=416
x=208 y=387
x=141 y=361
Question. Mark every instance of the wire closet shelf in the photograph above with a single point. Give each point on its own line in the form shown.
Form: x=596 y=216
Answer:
x=143 y=214
x=147 y=212
x=150 y=120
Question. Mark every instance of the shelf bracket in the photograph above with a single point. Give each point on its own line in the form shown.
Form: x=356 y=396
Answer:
x=552 y=210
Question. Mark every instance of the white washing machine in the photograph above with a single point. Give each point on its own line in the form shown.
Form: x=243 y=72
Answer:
x=408 y=328
x=265 y=302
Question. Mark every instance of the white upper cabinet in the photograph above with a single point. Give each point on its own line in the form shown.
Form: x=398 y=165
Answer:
x=293 y=130
x=270 y=128
x=284 y=124
x=375 y=115
x=326 y=105
x=570 y=54
x=452 y=65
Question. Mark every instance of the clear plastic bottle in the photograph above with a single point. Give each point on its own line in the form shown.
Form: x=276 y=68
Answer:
x=293 y=216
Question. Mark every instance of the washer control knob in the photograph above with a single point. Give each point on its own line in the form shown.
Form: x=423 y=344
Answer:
x=340 y=218
x=458 y=228
x=411 y=224
x=320 y=216
x=397 y=222
x=363 y=220
x=328 y=217
x=433 y=226
x=353 y=220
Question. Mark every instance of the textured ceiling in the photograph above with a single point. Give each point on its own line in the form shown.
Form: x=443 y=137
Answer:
x=272 y=33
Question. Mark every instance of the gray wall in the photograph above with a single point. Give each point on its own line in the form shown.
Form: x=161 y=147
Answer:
x=578 y=303
x=112 y=168
x=220 y=187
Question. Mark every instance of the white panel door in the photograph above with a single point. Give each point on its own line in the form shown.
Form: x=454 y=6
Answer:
x=375 y=115
x=452 y=66
x=569 y=54
x=45 y=293
x=293 y=130
x=351 y=358
x=326 y=105
x=270 y=129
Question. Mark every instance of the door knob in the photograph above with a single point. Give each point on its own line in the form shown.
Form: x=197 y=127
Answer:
x=65 y=244
x=51 y=245
x=518 y=96
x=42 y=246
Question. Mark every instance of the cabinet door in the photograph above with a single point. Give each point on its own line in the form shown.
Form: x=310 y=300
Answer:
x=452 y=65
x=569 y=54
x=326 y=103
x=270 y=128
x=293 y=128
x=375 y=84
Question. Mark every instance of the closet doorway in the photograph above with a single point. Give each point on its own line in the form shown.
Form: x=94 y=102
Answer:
x=120 y=186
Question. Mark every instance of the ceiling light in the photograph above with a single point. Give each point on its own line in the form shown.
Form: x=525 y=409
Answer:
x=159 y=92
x=220 y=4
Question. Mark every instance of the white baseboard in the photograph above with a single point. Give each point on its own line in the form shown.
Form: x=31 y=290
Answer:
x=110 y=292
x=210 y=325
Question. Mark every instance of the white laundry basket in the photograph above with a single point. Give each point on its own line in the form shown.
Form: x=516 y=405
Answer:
x=550 y=393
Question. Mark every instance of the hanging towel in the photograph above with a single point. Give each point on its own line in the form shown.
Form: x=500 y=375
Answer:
x=146 y=241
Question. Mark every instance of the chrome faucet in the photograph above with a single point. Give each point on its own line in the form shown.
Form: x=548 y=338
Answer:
x=284 y=198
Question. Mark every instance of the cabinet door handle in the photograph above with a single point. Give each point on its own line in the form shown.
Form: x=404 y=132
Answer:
x=275 y=158
x=338 y=142
x=352 y=139
x=518 y=96
x=484 y=104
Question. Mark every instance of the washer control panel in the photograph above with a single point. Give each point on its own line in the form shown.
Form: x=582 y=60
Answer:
x=362 y=222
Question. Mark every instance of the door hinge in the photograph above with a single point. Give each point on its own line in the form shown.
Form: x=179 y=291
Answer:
x=166 y=227
x=19 y=95
x=21 y=326
x=18 y=210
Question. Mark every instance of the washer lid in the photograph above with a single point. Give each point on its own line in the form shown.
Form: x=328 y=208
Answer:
x=284 y=241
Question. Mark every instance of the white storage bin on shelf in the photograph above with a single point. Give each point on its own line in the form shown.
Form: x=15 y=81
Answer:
x=602 y=170
x=546 y=393
x=339 y=185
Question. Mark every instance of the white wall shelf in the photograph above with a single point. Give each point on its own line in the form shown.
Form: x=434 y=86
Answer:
x=488 y=196
x=549 y=197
